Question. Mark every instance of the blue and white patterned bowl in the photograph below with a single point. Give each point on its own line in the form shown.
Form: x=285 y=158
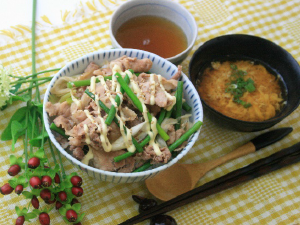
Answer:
x=160 y=66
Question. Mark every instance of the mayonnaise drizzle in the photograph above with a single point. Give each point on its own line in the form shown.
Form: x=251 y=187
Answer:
x=107 y=91
x=88 y=157
x=93 y=84
x=103 y=131
x=152 y=133
x=103 y=128
x=87 y=136
x=152 y=89
x=126 y=136
x=75 y=100
x=170 y=97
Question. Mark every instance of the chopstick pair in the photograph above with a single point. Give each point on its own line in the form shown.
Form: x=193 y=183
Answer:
x=261 y=167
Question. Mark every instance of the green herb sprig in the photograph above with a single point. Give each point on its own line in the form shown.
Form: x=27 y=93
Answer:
x=238 y=85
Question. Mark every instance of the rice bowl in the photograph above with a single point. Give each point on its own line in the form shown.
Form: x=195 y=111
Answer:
x=160 y=66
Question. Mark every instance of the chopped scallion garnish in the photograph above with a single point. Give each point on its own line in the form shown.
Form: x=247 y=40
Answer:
x=238 y=85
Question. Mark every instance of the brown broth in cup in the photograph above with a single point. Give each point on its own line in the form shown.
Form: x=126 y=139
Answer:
x=154 y=34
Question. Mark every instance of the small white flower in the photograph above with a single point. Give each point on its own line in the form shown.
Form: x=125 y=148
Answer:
x=5 y=86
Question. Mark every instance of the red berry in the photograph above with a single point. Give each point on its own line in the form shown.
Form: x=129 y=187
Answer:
x=58 y=205
x=20 y=220
x=77 y=191
x=46 y=181
x=50 y=202
x=71 y=215
x=57 y=179
x=19 y=189
x=35 y=202
x=74 y=201
x=45 y=195
x=76 y=181
x=14 y=170
x=34 y=162
x=44 y=219
x=6 y=189
x=62 y=196
x=35 y=182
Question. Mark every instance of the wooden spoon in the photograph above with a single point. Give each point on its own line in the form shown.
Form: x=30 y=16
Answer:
x=181 y=178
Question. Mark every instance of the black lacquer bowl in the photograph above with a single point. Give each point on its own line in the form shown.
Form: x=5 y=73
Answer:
x=265 y=52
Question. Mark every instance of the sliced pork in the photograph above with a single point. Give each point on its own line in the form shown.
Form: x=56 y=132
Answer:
x=177 y=75
x=63 y=122
x=149 y=153
x=58 y=109
x=103 y=71
x=137 y=65
x=89 y=71
x=77 y=152
x=105 y=161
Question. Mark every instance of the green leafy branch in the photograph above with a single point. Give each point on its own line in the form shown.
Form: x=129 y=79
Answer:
x=76 y=207
x=24 y=212
x=27 y=123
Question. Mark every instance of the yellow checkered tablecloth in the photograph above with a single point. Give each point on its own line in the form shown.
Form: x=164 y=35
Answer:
x=271 y=199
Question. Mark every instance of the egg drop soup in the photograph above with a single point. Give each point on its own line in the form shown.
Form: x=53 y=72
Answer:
x=243 y=90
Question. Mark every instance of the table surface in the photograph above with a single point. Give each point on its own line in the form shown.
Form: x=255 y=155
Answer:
x=71 y=28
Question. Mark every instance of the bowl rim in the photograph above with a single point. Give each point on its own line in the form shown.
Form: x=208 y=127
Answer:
x=109 y=173
x=272 y=120
x=194 y=27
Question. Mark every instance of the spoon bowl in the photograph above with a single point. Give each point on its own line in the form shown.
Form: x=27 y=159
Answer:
x=174 y=181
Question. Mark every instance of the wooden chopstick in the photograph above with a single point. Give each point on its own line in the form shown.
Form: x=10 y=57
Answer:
x=261 y=167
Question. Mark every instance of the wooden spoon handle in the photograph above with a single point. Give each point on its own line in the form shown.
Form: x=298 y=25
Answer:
x=240 y=151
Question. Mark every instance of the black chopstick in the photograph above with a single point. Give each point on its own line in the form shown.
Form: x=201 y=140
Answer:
x=261 y=167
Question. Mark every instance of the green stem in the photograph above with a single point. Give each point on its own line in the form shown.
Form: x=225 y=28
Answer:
x=33 y=36
x=112 y=110
x=33 y=61
x=43 y=132
x=32 y=80
x=185 y=136
x=111 y=114
x=25 y=141
x=81 y=83
x=58 y=130
x=178 y=104
x=123 y=156
x=186 y=107
x=128 y=154
x=32 y=127
x=129 y=92
x=52 y=152
x=61 y=164
x=30 y=88
x=161 y=116
x=143 y=167
x=35 y=74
